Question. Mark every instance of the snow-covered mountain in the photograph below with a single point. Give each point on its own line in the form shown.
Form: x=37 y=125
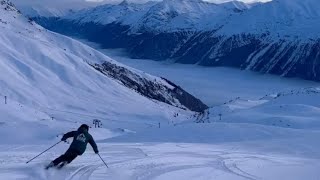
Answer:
x=52 y=9
x=44 y=11
x=47 y=73
x=186 y=15
x=280 y=18
x=168 y=15
x=279 y=37
x=125 y=13
x=164 y=16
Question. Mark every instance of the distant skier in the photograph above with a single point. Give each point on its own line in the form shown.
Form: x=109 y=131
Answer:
x=81 y=138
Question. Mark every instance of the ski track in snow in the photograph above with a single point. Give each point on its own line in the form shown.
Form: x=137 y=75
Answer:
x=83 y=172
x=129 y=161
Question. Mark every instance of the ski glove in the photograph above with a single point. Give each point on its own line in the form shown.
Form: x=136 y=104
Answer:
x=64 y=138
x=97 y=152
x=68 y=135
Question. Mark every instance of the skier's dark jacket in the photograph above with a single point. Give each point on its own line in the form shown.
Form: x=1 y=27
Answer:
x=81 y=138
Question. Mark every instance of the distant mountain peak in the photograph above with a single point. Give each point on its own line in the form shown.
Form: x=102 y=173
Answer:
x=185 y=1
x=124 y=3
x=235 y=5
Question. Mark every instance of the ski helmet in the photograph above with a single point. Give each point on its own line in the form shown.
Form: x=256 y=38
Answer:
x=84 y=126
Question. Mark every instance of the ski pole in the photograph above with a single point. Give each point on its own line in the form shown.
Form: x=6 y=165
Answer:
x=103 y=160
x=43 y=152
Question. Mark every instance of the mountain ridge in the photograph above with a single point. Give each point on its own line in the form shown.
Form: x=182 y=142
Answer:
x=278 y=37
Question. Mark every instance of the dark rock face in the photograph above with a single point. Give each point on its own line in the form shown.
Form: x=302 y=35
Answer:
x=153 y=89
x=285 y=57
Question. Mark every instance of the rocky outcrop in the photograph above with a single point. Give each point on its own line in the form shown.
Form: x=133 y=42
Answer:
x=161 y=90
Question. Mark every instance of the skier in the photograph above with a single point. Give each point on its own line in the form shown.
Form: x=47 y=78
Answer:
x=81 y=138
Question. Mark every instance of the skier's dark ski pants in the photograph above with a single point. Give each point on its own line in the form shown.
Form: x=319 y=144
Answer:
x=68 y=156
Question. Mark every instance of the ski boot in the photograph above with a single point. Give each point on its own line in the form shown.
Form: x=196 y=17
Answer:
x=61 y=165
x=49 y=166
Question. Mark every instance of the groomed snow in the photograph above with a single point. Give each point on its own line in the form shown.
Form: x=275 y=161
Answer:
x=165 y=161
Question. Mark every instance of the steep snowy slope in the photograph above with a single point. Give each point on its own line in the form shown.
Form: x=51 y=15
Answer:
x=279 y=18
x=44 y=11
x=52 y=73
x=279 y=37
x=69 y=48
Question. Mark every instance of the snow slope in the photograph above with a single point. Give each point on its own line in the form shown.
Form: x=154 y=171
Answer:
x=52 y=74
x=282 y=18
x=296 y=109
x=243 y=145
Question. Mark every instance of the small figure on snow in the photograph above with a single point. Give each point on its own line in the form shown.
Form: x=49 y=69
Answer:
x=81 y=138
x=97 y=123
